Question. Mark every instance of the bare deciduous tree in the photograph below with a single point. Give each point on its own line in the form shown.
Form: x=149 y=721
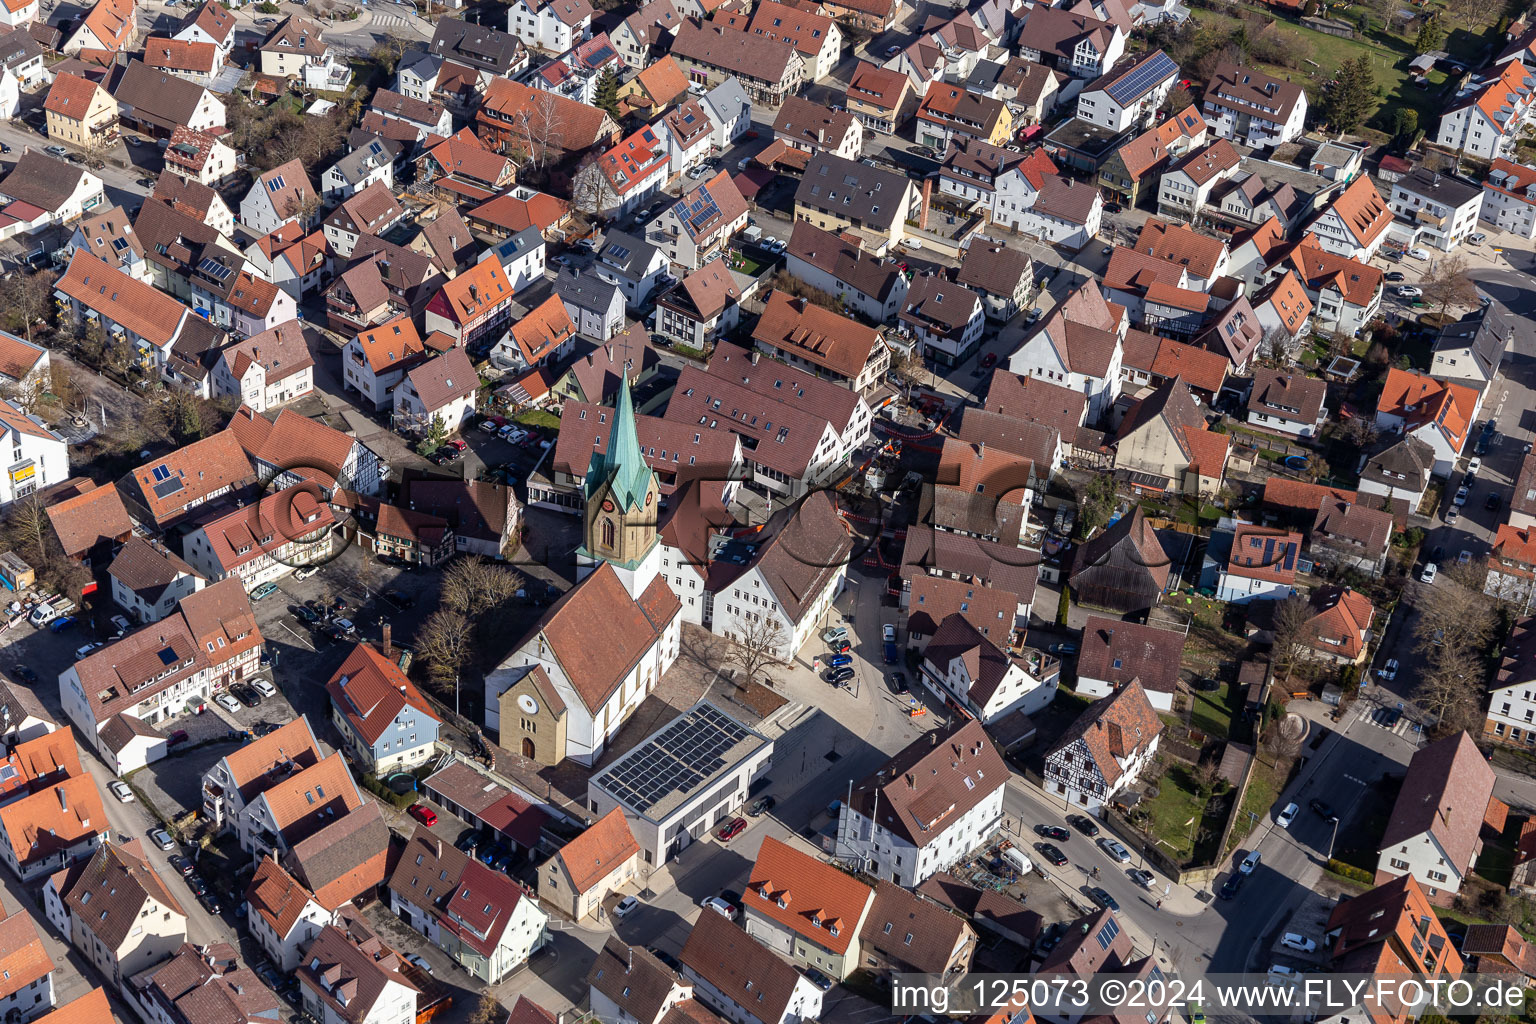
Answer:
x=446 y=641
x=592 y=192
x=1448 y=285
x=473 y=586
x=542 y=128
x=908 y=370
x=1293 y=617
x=757 y=647
x=28 y=298
x=487 y=1010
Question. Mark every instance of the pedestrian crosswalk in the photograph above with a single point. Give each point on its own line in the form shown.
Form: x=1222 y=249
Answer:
x=1392 y=720
x=387 y=20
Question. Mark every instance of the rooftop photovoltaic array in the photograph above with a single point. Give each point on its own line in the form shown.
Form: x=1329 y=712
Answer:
x=702 y=209
x=676 y=760
x=1151 y=71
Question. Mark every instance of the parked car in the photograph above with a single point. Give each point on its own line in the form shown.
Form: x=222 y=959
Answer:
x=762 y=805
x=1477 y=238
x=888 y=633
x=120 y=789
x=835 y=634
x=839 y=660
x=179 y=736
x=1287 y=815
x=267 y=589
x=624 y=906
x=1115 y=849
x=731 y=829
x=1230 y=887
x=1055 y=832
x=1417 y=253
x=420 y=962
x=161 y=838
x=1298 y=942
x=1461 y=496
x=1473 y=465
x=87 y=649
x=1395 y=276
x=62 y=623
x=264 y=688
x=1084 y=824
x=818 y=979
x=1249 y=863
x=1065 y=649
x=1104 y=900
x=210 y=903
x=183 y=866
x=120 y=626
x=305 y=573
x=1142 y=877
x=226 y=702
x=1052 y=854
x=839 y=676
x=1389 y=670
x=1410 y=291
x=719 y=906
x=1493 y=502
x=424 y=814
x=245 y=695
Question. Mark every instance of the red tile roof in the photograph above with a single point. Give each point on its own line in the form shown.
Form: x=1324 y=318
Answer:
x=824 y=904
x=605 y=845
x=1445 y=793
x=370 y=690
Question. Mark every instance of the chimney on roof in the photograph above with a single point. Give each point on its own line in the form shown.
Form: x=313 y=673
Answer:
x=63 y=800
x=439 y=849
x=389 y=649
x=933 y=739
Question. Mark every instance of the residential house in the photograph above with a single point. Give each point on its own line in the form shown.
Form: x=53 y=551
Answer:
x=1393 y=931
x=109 y=25
x=51 y=829
x=701 y=308
x=1438 y=412
x=1261 y=565
x=633 y=264
x=1004 y=278
x=1355 y=224
x=970 y=171
x=1123 y=567
x=950 y=112
x=879 y=97
x=41 y=191
x=839 y=265
x=522 y=258
x=1512 y=566
x=205 y=470
x=473 y=306
x=639 y=38
x=730 y=112
x=1064 y=214
x=1116 y=653
x=627 y=983
x=1398 y=471
x=364 y=166
x=1522 y=499
x=658 y=85
x=1083 y=357
x=296 y=806
x=979 y=671
x=701 y=222
x=461 y=168
x=551 y=25
x=1509 y=198
x=202 y=157
x=243 y=774
x=1434 y=835
x=209 y=23
x=370 y=212
x=1104 y=750
x=108 y=235
x=199 y=982
x=815 y=36
x=944 y=319
x=732 y=975
x=39 y=457
x=1253 y=109
x=813 y=128
x=768 y=70
x=343 y=981
x=1186 y=187
x=595 y=306
x=906 y=931
x=281 y=196
x=443 y=390
x=939 y=797
x=1129 y=94
x=148 y=582
x=377 y=360
x=624 y=177
x=283 y=531
x=837 y=193
x=26 y=970
x=197 y=62
x=1472 y=348
x=24 y=368
x=807 y=336
x=1345 y=293
x=116 y=910
x=1440 y=209
x=157 y=103
x=805 y=909
x=1079 y=45
x=586 y=870
x=80 y=113
x=294 y=49
x=1016 y=184
x=1283 y=309
x=543 y=337
x=194 y=199
x=469 y=58
x=1287 y=402
x=1489 y=112
x=1511 y=716
x=1131 y=166
x=266 y=370
x=1340 y=626
x=484 y=516
x=90 y=526
x=1163 y=444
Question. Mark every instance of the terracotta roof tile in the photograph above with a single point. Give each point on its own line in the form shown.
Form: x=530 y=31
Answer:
x=1445 y=793
x=925 y=783
x=820 y=902
x=1119 y=651
x=1114 y=728
x=370 y=690
x=593 y=855
x=85 y=520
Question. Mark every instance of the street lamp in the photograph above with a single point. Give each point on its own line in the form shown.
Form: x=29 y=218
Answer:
x=1333 y=837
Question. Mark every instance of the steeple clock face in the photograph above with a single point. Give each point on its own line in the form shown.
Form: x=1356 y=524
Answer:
x=649 y=497
x=607 y=505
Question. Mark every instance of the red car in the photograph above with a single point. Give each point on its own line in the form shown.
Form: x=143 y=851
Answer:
x=988 y=360
x=179 y=736
x=731 y=829
x=424 y=814
x=457 y=445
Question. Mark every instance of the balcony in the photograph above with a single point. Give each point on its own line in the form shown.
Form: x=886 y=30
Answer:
x=1428 y=217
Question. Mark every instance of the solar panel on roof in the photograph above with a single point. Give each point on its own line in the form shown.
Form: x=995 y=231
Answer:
x=166 y=488
x=1290 y=557
x=619 y=252
x=686 y=753
x=213 y=268
x=1130 y=88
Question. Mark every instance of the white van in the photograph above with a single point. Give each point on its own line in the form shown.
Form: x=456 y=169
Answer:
x=1015 y=856
x=42 y=615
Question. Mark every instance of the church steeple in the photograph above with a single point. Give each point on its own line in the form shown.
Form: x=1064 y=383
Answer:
x=623 y=467
x=622 y=495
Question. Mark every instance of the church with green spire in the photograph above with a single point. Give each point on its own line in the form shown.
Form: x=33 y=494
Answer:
x=622 y=503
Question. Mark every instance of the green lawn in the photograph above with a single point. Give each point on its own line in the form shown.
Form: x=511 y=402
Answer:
x=1497 y=861
x=1263 y=788
x=1177 y=802
x=538 y=418
x=1212 y=712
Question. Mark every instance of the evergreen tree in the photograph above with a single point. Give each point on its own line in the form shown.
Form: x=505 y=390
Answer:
x=608 y=94
x=1430 y=36
x=1352 y=99
x=1407 y=124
